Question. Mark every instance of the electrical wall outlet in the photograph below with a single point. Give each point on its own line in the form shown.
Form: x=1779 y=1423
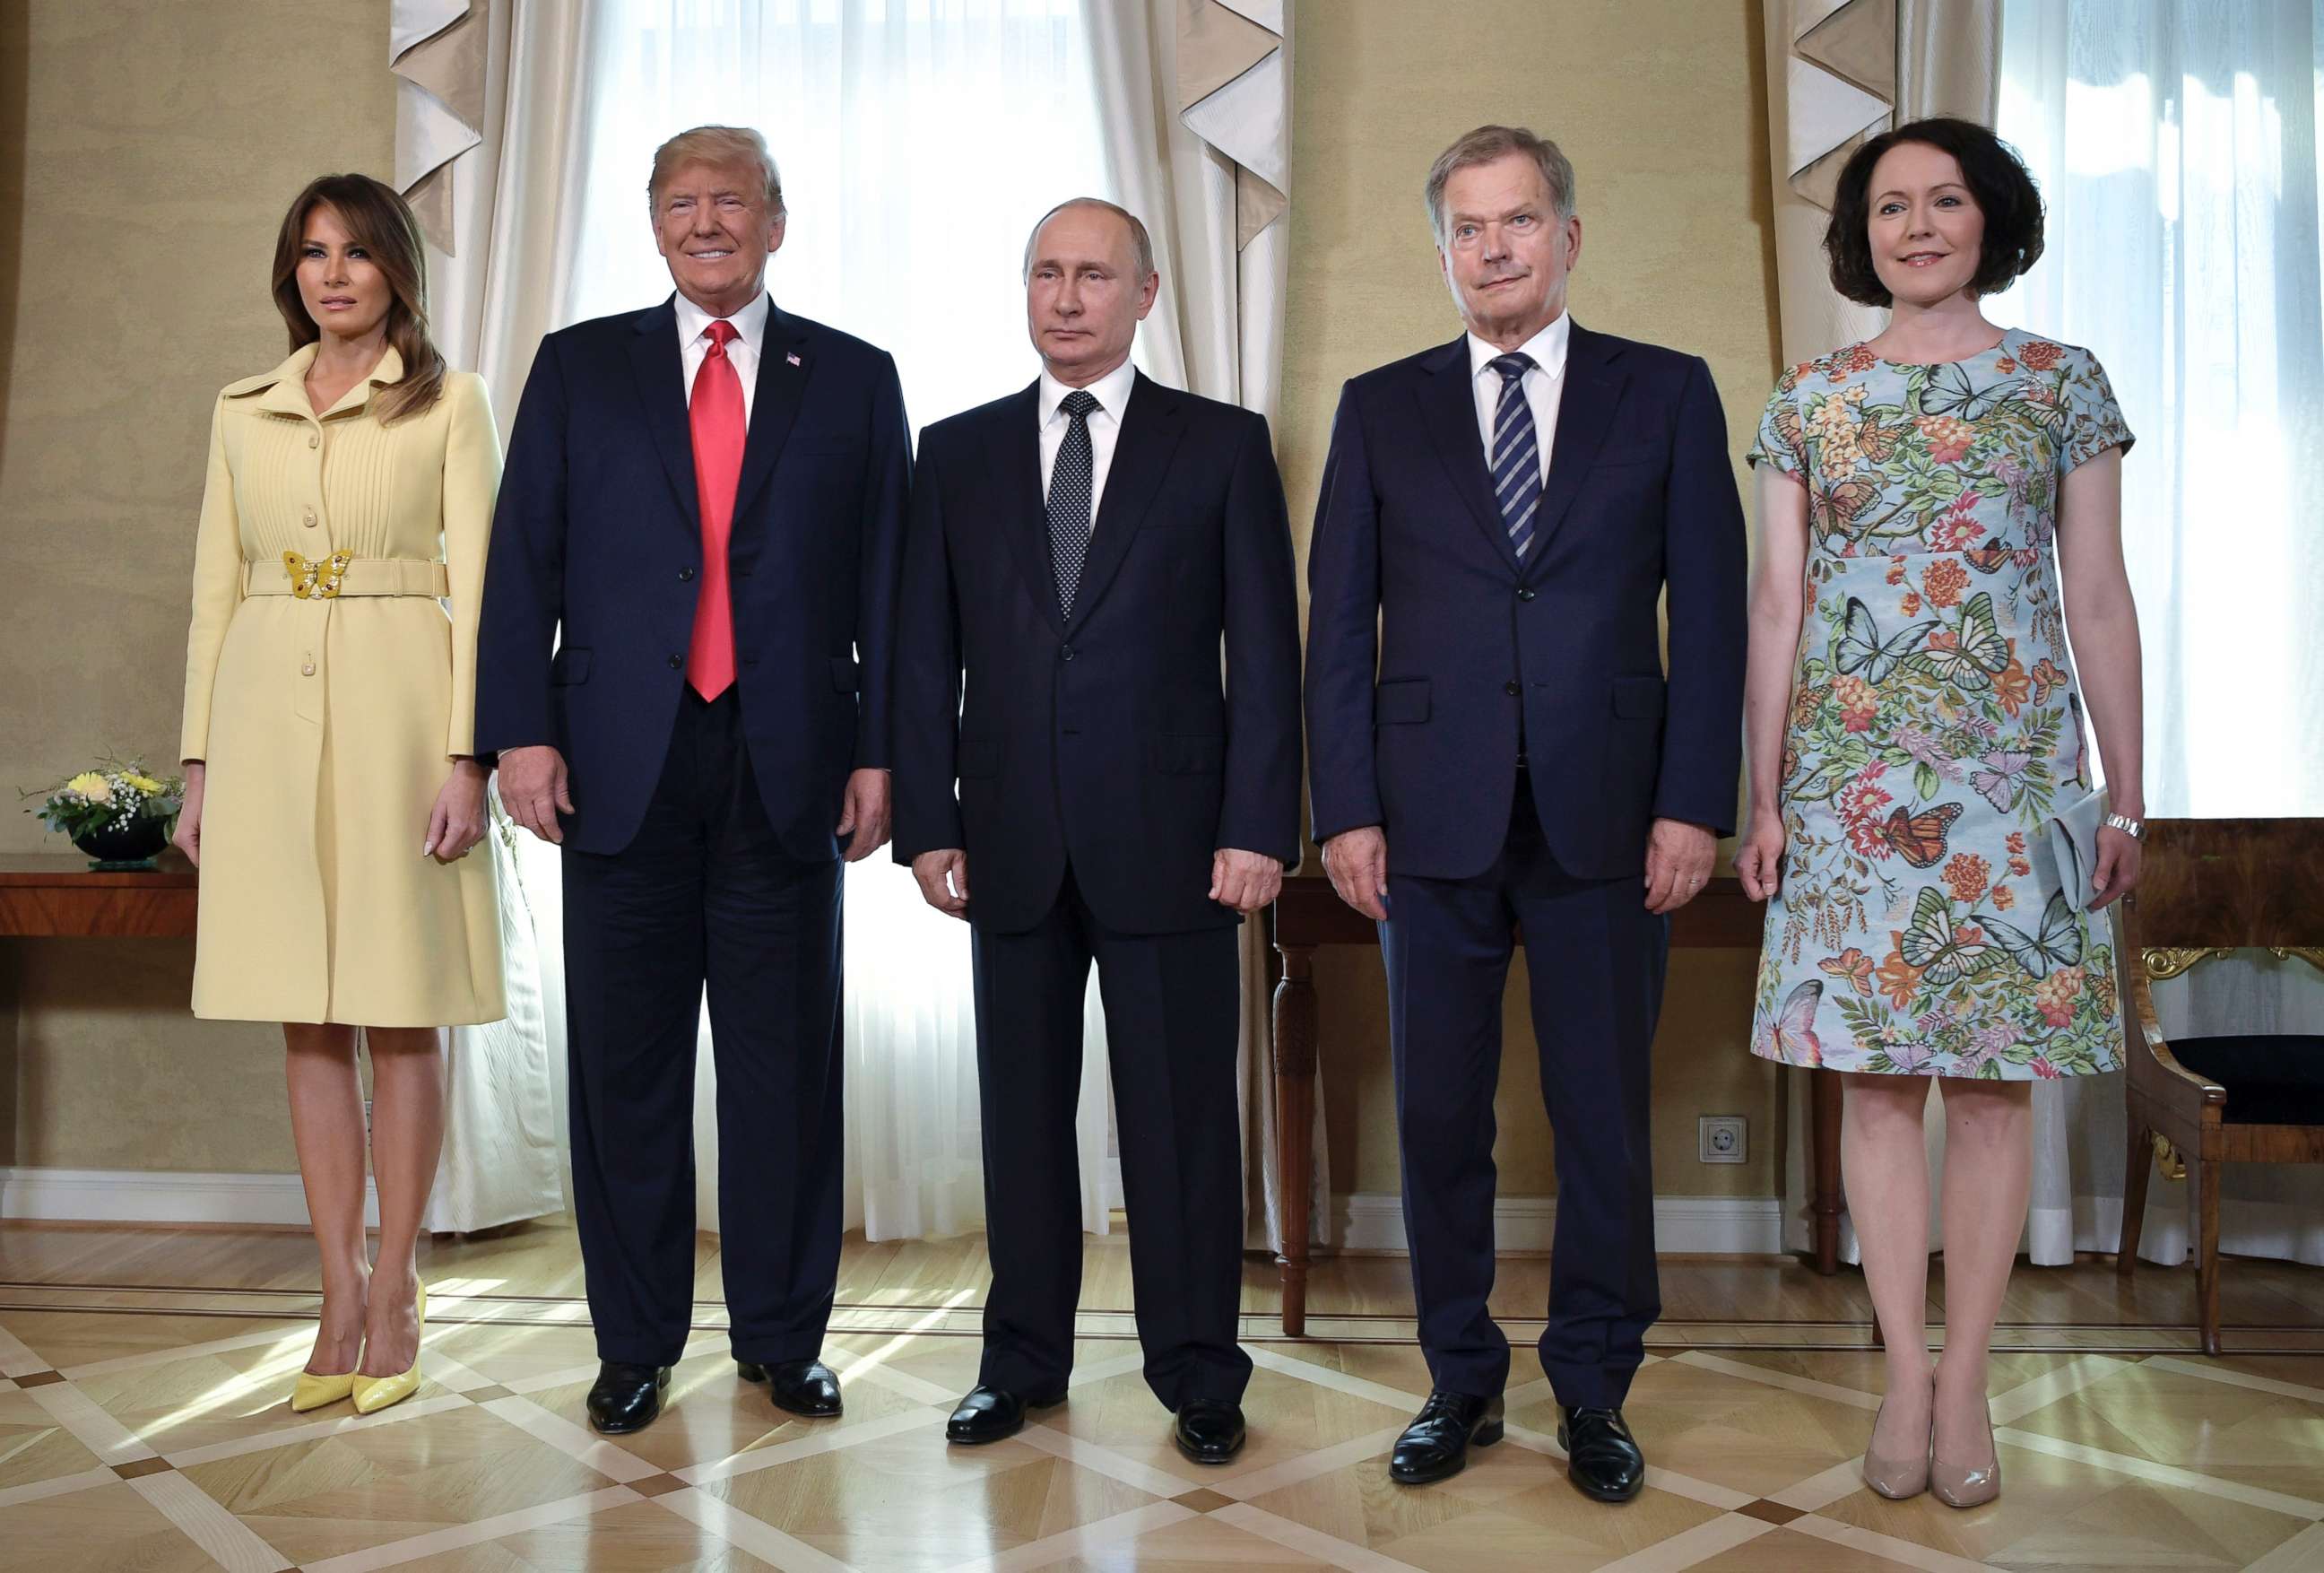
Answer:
x=1722 y=1138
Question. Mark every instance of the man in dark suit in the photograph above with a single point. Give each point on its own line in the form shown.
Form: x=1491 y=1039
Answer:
x=704 y=510
x=1494 y=743
x=1079 y=550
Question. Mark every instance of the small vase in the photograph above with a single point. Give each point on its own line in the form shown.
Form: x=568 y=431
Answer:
x=131 y=847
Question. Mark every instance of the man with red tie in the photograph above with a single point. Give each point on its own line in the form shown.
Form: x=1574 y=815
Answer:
x=684 y=668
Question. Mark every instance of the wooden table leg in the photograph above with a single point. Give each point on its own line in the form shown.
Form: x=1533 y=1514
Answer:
x=1295 y=1124
x=1824 y=1136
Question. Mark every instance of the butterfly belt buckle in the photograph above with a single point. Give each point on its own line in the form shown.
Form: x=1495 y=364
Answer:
x=315 y=580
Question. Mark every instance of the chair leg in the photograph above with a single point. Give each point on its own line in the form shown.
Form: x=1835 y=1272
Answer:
x=2208 y=1270
x=2139 y=1167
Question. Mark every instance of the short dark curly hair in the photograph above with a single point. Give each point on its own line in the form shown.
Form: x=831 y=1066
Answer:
x=1997 y=179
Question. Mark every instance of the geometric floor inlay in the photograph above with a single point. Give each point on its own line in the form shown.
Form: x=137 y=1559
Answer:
x=147 y=1436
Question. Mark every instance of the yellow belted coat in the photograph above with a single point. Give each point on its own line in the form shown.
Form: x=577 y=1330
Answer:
x=329 y=721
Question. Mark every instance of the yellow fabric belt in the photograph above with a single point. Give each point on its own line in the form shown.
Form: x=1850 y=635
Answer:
x=354 y=576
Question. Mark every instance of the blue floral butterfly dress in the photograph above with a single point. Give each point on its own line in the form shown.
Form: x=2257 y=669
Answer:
x=1935 y=723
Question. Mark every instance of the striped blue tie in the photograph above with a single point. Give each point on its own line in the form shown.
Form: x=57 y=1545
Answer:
x=1517 y=453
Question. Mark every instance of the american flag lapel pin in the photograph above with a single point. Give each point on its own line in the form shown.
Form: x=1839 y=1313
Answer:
x=793 y=359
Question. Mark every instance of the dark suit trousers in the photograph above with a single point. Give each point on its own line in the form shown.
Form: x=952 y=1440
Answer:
x=1171 y=1006
x=1595 y=957
x=705 y=895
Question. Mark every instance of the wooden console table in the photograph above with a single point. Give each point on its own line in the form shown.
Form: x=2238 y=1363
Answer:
x=57 y=895
x=1309 y=913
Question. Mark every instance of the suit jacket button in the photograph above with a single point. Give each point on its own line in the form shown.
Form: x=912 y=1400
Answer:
x=1513 y=688
x=1525 y=595
x=684 y=575
x=1066 y=654
x=677 y=664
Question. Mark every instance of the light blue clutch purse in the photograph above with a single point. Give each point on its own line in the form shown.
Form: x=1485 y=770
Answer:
x=2073 y=838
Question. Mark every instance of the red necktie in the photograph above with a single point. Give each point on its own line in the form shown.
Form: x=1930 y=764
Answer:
x=720 y=428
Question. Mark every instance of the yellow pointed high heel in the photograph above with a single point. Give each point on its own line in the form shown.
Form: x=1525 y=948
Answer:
x=313 y=1391
x=373 y=1393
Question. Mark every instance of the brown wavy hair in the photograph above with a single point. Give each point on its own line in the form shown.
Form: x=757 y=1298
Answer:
x=382 y=223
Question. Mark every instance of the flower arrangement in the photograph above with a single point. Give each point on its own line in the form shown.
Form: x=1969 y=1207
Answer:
x=117 y=813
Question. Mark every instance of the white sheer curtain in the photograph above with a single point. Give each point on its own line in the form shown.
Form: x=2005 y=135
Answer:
x=487 y=132
x=919 y=140
x=2175 y=142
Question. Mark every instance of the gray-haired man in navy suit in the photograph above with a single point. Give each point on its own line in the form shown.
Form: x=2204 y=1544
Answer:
x=1496 y=745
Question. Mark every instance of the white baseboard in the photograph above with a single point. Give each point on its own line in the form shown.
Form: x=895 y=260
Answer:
x=128 y=1196
x=1364 y=1221
x=1683 y=1225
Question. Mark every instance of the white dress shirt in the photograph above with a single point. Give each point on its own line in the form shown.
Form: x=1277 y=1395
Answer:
x=1542 y=383
x=1112 y=392
x=751 y=332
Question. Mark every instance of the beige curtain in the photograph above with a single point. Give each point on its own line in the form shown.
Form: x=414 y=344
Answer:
x=488 y=140
x=1838 y=72
x=1195 y=99
x=491 y=148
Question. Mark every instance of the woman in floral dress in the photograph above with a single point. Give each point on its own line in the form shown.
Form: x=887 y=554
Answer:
x=1916 y=718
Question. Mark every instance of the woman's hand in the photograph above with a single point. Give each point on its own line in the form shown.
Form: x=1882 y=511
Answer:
x=2120 y=856
x=457 y=823
x=1760 y=858
x=186 y=837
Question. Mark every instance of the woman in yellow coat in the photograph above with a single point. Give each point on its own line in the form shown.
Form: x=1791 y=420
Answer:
x=331 y=800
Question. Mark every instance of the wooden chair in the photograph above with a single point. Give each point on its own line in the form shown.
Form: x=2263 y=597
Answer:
x=2210 y=886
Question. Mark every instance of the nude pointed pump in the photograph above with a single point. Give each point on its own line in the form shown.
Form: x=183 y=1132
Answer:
x=1957 y=1485
x=1898 y=1475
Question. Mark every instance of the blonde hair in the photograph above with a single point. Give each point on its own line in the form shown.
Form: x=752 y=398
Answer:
x=722 y=146
x=1141 y=245
x=1484 y=145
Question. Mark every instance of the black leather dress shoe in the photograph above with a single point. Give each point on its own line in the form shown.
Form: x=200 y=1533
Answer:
x=1209 y=1430
x=804 y=1387
x=1436 y=1445
x=626 y=1398
x=1602 y=1458
x=991 y=1414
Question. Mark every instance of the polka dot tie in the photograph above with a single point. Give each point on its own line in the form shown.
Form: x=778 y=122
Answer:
x=1070 y=485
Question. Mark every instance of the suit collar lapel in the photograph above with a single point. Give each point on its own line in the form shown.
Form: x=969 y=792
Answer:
x=661 y=389
x=1150 y=427
x=786 y=360
x=1448 y=403
x=1585 y=414
x=1014 y=462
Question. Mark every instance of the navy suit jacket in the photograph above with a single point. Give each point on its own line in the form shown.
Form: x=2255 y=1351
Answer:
x=1429 y=643
x=1109 y=738
x=597 y=547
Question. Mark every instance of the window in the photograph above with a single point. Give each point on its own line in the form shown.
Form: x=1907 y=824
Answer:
x=2176 y=147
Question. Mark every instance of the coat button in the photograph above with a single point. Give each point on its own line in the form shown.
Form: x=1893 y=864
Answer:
x=1513 y=688
x=1066 y=654
x=677 y=664
x=314 y=440
x=1525 y=595
x=684 y=575
x=309 y=519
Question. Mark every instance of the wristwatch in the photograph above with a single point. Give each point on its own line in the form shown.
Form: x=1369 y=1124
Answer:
x=2134 y=828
